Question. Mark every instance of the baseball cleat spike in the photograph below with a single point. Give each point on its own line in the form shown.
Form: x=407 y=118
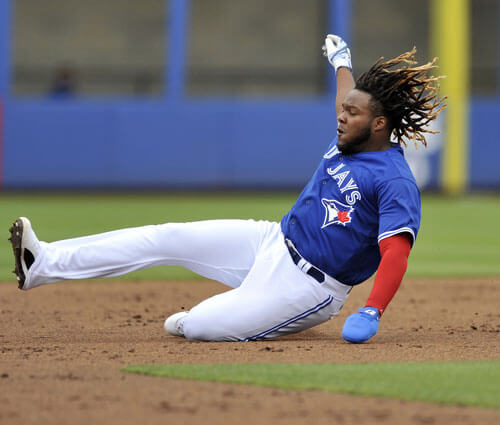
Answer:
x=25 y=246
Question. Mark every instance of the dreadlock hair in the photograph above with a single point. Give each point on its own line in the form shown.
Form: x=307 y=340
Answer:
x=405 y=94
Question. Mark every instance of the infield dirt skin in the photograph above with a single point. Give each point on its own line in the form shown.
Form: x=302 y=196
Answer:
x=62 y=347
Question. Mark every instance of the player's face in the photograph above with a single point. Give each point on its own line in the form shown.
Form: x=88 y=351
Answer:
x=354 y=122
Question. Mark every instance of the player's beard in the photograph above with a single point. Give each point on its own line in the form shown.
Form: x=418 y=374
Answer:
x=354 y=146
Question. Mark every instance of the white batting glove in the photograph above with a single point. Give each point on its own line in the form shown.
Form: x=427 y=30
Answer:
x=337 y=52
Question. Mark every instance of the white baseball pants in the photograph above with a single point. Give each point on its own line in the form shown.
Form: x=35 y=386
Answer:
x=271 y=296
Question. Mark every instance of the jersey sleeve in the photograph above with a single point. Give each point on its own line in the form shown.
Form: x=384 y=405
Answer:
x=399 y=208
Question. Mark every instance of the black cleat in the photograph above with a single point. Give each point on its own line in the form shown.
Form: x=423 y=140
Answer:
x=25 y=245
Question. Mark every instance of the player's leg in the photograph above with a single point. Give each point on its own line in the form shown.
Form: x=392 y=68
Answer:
x=276 y=298
x=223 y=250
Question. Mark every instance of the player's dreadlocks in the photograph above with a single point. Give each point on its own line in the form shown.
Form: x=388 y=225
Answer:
x=407 y=96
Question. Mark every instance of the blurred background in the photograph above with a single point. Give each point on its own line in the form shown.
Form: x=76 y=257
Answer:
x=117 y=113
x=226 y=93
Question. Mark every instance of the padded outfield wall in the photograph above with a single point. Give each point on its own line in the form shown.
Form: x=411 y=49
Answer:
x=176 y=140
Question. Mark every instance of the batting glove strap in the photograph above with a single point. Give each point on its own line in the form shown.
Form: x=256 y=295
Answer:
x=361 y=326
x=337 y=52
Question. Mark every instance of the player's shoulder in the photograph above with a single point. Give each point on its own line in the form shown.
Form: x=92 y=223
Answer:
x=396 y=166
x=390 y=173
x=397 y=156
x=376 y=167
x=384 y=165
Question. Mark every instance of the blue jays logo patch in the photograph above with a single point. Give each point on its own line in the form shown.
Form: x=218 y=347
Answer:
x=336 y=212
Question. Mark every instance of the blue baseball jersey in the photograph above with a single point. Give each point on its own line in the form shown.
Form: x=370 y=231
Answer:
x=350 y=204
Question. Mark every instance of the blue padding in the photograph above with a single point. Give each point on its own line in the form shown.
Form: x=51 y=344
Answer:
x=484 y=144
x=211 y=143
x=127 y=144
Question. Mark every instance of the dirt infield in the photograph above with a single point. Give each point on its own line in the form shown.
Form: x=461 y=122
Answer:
x=62 y=347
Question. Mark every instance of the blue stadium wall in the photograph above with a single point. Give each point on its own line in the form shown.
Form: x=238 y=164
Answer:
x=148 y=144
x=50 y=144
x=176 y=141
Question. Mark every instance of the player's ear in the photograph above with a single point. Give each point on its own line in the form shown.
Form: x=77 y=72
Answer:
x=380 y=123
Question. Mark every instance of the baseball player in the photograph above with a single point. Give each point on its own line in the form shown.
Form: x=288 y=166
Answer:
x=359 y=213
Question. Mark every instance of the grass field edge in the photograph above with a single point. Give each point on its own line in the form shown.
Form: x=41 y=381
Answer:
x=471 y=400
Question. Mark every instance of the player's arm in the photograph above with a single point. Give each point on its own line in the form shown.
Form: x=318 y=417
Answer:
x=394 y=252
x=345 y=83
x=339 y=56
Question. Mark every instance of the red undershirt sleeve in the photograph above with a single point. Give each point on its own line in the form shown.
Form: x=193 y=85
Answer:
x=394 y=252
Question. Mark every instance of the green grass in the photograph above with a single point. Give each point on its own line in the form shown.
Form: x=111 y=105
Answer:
x=459 y=236
x=62 y=216
x=464 y=383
